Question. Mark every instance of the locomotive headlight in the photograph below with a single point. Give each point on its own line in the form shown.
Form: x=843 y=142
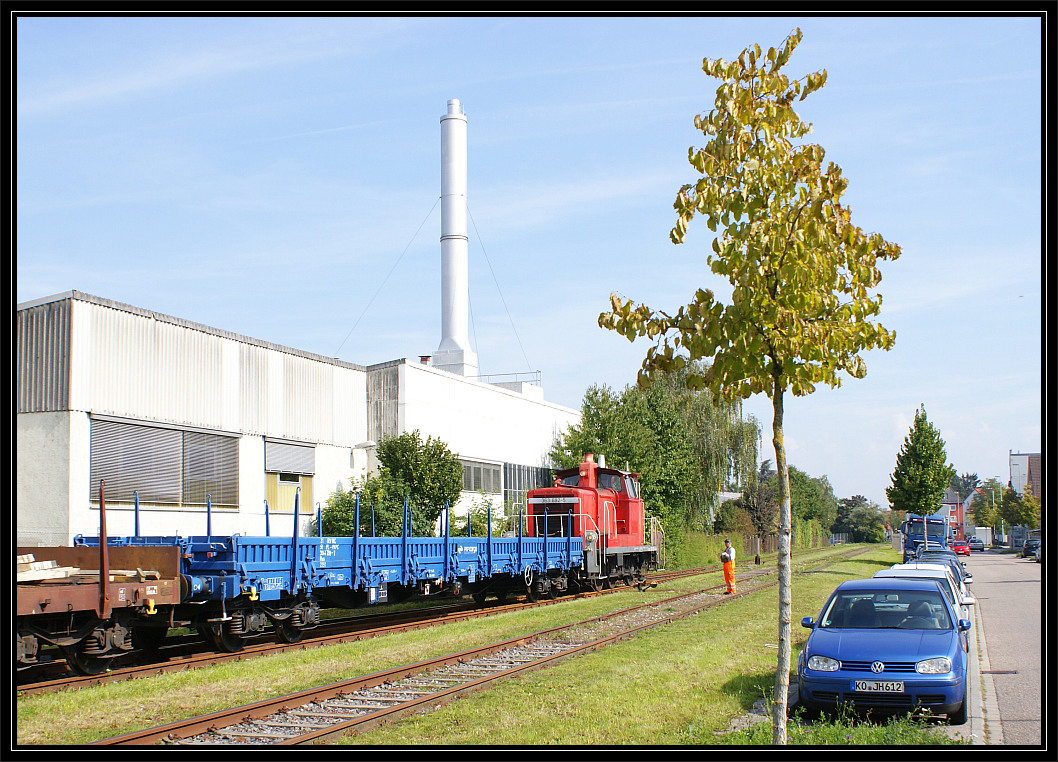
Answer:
x=823 y=664
x=937 y=666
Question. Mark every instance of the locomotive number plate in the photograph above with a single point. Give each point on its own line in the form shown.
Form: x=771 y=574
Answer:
x=878 y=686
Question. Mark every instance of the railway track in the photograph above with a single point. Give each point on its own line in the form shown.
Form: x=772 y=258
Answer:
x=353 y=705
x=186 y=652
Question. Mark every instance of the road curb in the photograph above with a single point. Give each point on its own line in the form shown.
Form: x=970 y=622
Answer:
x=983 y=726
x=986 y=705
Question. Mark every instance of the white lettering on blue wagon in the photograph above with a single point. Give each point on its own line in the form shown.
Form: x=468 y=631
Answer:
x=467 y=549
x=272 y=583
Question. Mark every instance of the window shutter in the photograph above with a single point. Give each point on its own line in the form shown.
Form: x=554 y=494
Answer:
x=133 y=458
x=288 y=458
x=211 y=467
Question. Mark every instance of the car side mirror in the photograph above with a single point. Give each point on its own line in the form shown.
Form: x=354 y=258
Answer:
x=968 y=579
x=807 y=622
x=964 y=624
x=967 y=601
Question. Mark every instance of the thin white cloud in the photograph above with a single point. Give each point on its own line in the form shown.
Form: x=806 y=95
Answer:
x=262 y=47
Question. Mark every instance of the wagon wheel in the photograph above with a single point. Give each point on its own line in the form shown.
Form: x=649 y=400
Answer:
x=479 y=598
x=221 y=640
x=501 y=596
x=595 y=584
x=82 y=663
x=532 y=593
x=607 y=583
x=552 y=591
x=627 y=579
x=288 y=633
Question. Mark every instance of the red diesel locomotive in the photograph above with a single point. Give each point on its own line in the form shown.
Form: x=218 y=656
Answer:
x=605 y=509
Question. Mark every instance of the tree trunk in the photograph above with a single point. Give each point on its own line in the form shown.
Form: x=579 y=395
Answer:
x=782 y=669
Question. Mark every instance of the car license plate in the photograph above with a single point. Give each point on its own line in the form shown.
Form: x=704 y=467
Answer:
x=878 y=686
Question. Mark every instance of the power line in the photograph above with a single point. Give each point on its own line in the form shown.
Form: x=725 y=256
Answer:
x=498 y=289
x=368 y=306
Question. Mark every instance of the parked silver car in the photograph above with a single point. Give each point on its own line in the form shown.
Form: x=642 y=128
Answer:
x=975 y=543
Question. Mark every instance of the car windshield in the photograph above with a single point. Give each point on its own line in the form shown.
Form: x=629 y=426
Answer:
x=892 y=609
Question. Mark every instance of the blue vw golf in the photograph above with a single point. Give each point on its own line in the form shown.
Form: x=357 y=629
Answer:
x=886 y=645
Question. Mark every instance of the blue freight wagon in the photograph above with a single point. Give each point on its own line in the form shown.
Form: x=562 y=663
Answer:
x=236 y=586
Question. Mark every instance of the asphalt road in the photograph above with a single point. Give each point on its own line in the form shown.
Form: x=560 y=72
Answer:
x=1008 y=616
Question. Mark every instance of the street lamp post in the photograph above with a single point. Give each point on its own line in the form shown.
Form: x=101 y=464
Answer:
x=1001 y=526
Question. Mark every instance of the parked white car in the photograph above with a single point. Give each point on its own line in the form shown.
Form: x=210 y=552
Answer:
x=960 y=598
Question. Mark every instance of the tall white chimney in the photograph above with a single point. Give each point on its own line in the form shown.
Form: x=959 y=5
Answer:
x=454 y=353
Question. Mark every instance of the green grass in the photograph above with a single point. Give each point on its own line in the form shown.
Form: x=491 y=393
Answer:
x=843 y=730
x=678 y=684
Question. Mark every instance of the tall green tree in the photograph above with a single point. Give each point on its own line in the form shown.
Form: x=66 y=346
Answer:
x=842 y=522
x=758 y=500
x=687 y=445
x=426 y=474
x=812 y=498
x=1023 y=510
x=643 y=429
x=866 y=523
x=1030 y=509
x=922 y=472
x=986 y=504
x=801 y=273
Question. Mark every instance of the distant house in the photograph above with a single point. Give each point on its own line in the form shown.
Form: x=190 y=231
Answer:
x=954 y=507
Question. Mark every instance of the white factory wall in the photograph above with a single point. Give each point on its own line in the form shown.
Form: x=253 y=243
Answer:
x=479 y=421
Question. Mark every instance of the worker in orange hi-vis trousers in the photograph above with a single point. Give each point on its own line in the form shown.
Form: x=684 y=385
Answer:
x=728 y=557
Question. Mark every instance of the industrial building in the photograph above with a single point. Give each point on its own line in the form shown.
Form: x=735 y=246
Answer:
x=171 y=413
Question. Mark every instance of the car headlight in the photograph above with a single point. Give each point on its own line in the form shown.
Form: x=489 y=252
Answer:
x=937 y=666
x=823 y=664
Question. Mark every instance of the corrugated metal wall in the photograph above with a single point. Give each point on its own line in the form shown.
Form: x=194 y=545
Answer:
x=383 y=401
x=42 y=358
x=88 y=354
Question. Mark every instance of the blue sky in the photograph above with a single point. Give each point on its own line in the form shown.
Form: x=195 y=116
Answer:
x=279 y=178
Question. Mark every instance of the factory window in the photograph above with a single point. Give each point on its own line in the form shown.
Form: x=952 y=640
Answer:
x=211 y=469
x=481 y=477
x=162 y=464
x=519 y=479
x=289 y=467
